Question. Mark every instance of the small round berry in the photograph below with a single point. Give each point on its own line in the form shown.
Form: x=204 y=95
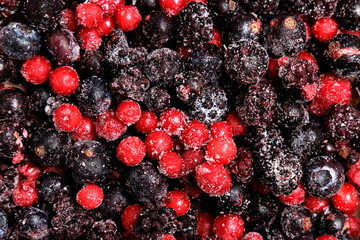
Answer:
x=85 y=130
x=221 y=129
x=194 y=134
x=325 y=29
x=315 y=204
x=130 y=216
x=252 y=236
x=67 y=117
x=89 y=15
x=131 y=151
x=296 y=197
x=128 y=18
x=213 y=178
x=168 y=237
x=205 y=224
x=171 y=164
x=221 y=150
x=354 y=227
x=172 y=6
x=109 y=6
x=179 y=201
x=128 y=112
x=326 y=237
x=68 y=20
x=106 y=26
x=156 y=143
x=236 y=125
x=108 y=126
x=228 y=226
x=353 y=176
x=64 y=80
x=89 y=38
x=90 y=196
x=172 y=120
x=36 y=70
x=147 y=122
x=30 y=170
x=192 y=159
x=346 y=199
x=25 y=194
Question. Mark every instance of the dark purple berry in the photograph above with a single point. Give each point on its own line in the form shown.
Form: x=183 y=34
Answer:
x=52 y=187
x=348 y=14
x=13 y=104
x=157 y=99
x=32 y=223
x=296 y=221
x=6 y=68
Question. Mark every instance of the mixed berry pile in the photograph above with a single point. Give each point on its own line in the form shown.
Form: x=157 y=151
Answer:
x=179 y=119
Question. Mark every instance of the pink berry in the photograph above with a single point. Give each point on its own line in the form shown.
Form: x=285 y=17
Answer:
x=195 y=134
x=128 y=18
x=128 y=112
x=131 y=151
x=89 y=38
x=228 y=226
x=90 y=196
x=89 y=15
x=221 y=129
x=296 y=197
x=30 y=170
x=221 y=150
x=130 y=216
x=236 y=125
x=315 y=204
x=147 y=122
x=171 y=164
x=172 y=120
x=192 y=159
x=325 y=29
x=64 y=80
x=85 y=130
x=346 y=199
x=106 y=26
x=252 y=236
x=67 y=117
x=158 y=142
x=108 y=126
x=179 y=201
x=25 y=194
x=36 y=70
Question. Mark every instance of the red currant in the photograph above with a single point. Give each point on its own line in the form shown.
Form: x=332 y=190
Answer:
x=108 y=126
x=171 y=164
x=325 y=29
x=221 y=129
x=326 y=237
x=89 y=15
x=131 y=151
x=228 y=226
x=147 y=122
x=172 y=120
x=234 y=122
x=30 y=170
x=109 y=6
x=296 y=197
x=179 y=201
x=85 y=131
x=315 y=204
x=68 y=20
x=90 y=196
x=128 y=112
x=158 y=142
x=128 y=18
x=64 y=80
x=130 y=216
x=89 y=38
x=353 y=176
x=217 y=37
x=205 y=224
x=252 y=236
x=354 y=227
x=67 y=117
x=346 y=199
x=172 y=6
x=106 y=26
x=195 y=134
x=36 y=70
x=221 y=150
x=192 y=159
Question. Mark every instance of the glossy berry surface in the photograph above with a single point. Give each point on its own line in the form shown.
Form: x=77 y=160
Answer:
x=221 y=150
x=229 y=226
x=64 y=80
x=325 y=29
x=157 y=142
x=130 y=216
x=346 y=199
x=194 y=134
x=67 y=117
x=179 y=201
x=89 y=14
x=128 y=18
x=128 y=112
x=171 y=164
x=90 y=196
x=147 y=122
x=108 y=126
x=85 y=130
x=315 y=204
x=36 y=70
x=131 y=151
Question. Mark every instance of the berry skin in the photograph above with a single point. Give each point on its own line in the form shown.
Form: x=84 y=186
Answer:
x=128 y=112
x=85 y=130
x=252 y=236
x=325 y=29
x=213 y=178
x=89 y=38
x=353 y=176
x=30 y=170
x=67 y=117
x=236 y=125
x=130 y=216
x=228 y=227
x=172 y=6
x=179 y=201
x=147 y=122
x=354 y=227
x=194 y=134
x=296 y=197
x=221 y=150
x=64 y=80
x=346 y=199
x=128 y=18
x=156 y=143
x=90 y=196
x=192 y=159
x=172 y=121
x=326 y=237
x=109 y=6
x=221 y=129
x=131 y=151
x=32 y=223
x=168 y=237
x=52 y=187
x=36 y=70
x=171 y=164
x=68 y=20
x=25 y=193
x=315 y=204
x=108 y=126
x=309 y=57
x=106 y=26
x=205 y=224
x=89 y=15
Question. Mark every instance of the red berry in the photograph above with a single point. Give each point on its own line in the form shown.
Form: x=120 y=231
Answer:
x=273 y=68
x=108 y=126
x=36 y=70
x=296 y=197
x=89 y=15
x=325 y=29
x=228 y=227
x=205 y=224
x=89 y=38
x=68 y=20
x=168 y=237
x=179 y=201
x=106 y=26
x=90 y=196
x=234 y=122
x=191 y=159
x=309 y=57
x=172 y=6
x=25 y=194
x=252 y=236
x=131 y=151
x=30 y=170
x=171 y=164
x=158 y=142
x=128 y=18
x=308 y=92
x=64 y=80
x=109 y=6
x=130 y=216
x=326 y=237
x=221 y=150
x=194 y=134
x=128 y=112
x=221 y=129
x=242 y=166
x=354 y=227
x=356 y=33
x=147 y=122
x=346 y=199
x=315 y=204
x=217 y=37
x=172 y=121
x=85 y=131
x=308 y=30
x=67 y=117
x=353 y=176
x=184 y=52
x=213 y=178
x=331 y=90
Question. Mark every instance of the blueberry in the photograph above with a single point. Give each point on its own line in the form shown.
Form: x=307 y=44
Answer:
x=32 y=223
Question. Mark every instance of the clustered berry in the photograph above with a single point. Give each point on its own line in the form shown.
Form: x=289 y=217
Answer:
x=179 y=119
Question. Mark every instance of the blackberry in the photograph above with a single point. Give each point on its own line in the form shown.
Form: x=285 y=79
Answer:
x=234 y=201
x=348 y=14
x=189 y=85
x=9 y=179
x=241 y=167
x=157 y=99
x=104 y=230
x=6 y=68
x=145 y=184
x=8 y=8
x=13 y=104
x=162 y=65
x=92 y=63
x=323 y=176
x=242 y=26
x=195 y=26
x=261 y=211
x=259 y=105
x=88 y=162
x=32 y=223
x=265 y=7
x=52 y=187
x=323 y=8
x=334 y=223
x=208 y=61
x=157 y=29
x=299 y=6
x=188 y=224
x=47 y=146
x=246 y=62
x=12 y=140
x=296 y=221
x=343 y=54
x=19 y=42
x=115 y=49
x=3 y=224
x=210 y=106
x=130 y=83
x=291 y=114
x=70 y=221
x=285 y=36
x=38 y=96
x=93 y=97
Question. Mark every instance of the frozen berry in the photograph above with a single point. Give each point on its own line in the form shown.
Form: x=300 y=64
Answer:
x=346 y=199
x=36 y=70
x=128 y=18
x=296 y=197
x=30 y=170
x=172 y=120
x=32 y=223
x=128 y=112
x=130 y=216
x=89 y=38
x=228 y=226
x=172 y=6
x=195 y=134
x=89 y=14
x=179 y=201
x=171 y=164
x=147 y=122
x=221 y=129
x=25 y=193
x=90 y=196
x=315 y=204
x=221 y=150
x=252 y=236
x=67 y=117
x=109 y=6
x=108 y=126
x=131 y=151
x=158 y=142
x=192 y=159
x=68 y=19
x=52 y=187
x=354 y=227
x=106 y=26
x=64 y=80
x=324 y=29
x=238 y=128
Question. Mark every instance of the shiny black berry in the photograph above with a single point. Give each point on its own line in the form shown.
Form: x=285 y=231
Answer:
x=52 y=187
x=296 y=221
x=12 y=140
x=32 y=223
x=242 y=26
x=115 y=200
x=261 y=211
x=234 y=201
x=348 y=14
x=13 y=104
x=6 y=68
x=334 y=223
